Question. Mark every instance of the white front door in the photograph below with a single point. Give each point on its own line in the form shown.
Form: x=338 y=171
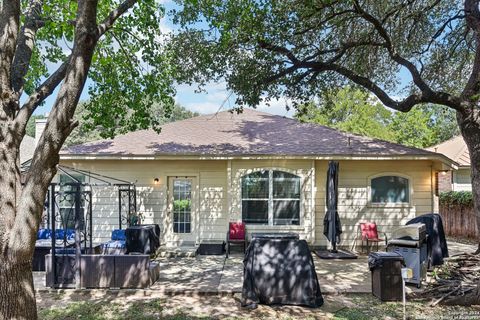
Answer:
x=180 y=229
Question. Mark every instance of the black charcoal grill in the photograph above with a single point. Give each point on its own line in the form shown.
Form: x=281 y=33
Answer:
x=410 y=241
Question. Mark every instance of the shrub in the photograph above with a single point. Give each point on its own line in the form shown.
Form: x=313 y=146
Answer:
x=460 y=198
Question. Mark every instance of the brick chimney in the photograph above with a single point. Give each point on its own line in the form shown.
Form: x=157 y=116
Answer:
x=39 y=127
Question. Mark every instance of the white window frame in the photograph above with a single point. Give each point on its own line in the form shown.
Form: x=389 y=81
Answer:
x=390 y=204
x=270 y=198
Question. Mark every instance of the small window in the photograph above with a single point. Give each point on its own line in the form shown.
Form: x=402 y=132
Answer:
x=66 y=201
x=390 y=189
x=271 y=197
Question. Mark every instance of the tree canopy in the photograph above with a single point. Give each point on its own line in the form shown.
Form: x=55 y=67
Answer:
x=355 y=110
x=127 y=69
x=294 y=49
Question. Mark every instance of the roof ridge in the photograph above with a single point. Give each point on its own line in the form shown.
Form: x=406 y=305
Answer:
x=446 y=141
x=463 y=149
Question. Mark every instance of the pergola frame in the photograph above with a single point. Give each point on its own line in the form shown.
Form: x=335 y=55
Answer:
x=78 y=195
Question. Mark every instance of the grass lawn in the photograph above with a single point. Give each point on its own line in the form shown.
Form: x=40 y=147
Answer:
x=125 y=306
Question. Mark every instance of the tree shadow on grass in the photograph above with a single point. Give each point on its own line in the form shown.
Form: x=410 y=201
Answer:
x=111 y=306
x=105 y=310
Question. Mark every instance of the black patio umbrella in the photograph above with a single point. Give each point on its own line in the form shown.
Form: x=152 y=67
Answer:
x=331 y=223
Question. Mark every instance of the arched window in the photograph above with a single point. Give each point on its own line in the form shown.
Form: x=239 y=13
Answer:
x=271 y=197
x=390 y=189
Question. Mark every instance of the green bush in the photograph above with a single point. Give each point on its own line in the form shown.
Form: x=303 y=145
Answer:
x=460 y=198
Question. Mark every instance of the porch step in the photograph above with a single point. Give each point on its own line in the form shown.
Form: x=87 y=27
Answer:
x=184 y=252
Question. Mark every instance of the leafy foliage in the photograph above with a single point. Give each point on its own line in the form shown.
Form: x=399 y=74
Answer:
x=356 y=111
x=128 y=70
x=181 y=205
x=30 y=129
x=351 y=110
x=461 y=198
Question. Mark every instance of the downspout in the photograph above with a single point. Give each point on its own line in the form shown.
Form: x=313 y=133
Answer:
x=432 y=200
x=313 y=215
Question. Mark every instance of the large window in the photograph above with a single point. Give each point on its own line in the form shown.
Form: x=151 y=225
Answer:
x=390 y=189
x=271 y=198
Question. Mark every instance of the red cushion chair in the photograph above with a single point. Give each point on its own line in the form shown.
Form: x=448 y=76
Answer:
x=370 y=232
x=236 y=235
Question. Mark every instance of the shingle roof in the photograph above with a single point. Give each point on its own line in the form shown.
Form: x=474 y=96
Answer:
x=456 y=149
x=249 y=133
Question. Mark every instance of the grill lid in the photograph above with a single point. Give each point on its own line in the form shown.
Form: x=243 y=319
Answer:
x=411 y=232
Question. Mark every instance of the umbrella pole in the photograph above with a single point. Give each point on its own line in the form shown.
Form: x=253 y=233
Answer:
x=334 y=242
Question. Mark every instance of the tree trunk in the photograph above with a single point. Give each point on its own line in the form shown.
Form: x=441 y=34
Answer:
x=17 y=296
x=470 y=129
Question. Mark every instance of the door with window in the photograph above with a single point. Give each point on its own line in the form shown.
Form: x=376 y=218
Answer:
x=180 y=227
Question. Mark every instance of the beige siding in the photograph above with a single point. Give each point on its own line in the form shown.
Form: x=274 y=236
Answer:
x=211 y=180
x=354 y=204
x=213 y=205
x=218 y=194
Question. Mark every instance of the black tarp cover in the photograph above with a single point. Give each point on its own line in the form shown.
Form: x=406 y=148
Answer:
x=332 y=227
x=142 y=239
x=436 y=243
x=376 y=259
x=280 y=271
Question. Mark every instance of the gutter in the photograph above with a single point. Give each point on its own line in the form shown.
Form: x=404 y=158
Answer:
x=436 y=157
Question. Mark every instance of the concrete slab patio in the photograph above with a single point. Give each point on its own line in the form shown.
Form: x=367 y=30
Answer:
x=206 y=275
x=216 y=274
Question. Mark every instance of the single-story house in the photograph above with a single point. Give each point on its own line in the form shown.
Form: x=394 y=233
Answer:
x=454 y=180
x=199 y=174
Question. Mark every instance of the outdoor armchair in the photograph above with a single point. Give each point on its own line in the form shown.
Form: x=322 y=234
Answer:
x=236 y=235
x=369 y=234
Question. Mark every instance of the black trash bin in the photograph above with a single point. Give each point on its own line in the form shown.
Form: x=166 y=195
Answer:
x=386 y=268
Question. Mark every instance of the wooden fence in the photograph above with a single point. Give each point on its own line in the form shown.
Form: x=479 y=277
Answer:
x=459 y=221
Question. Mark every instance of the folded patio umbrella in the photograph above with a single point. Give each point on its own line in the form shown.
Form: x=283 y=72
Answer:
x=332 y=227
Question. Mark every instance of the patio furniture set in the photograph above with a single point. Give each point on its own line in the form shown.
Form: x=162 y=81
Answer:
x=122 y=262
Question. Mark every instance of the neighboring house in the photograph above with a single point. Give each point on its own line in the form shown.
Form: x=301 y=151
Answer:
x=28 y=144
x=454 y=180
x=27 y=148
x=267 y=170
